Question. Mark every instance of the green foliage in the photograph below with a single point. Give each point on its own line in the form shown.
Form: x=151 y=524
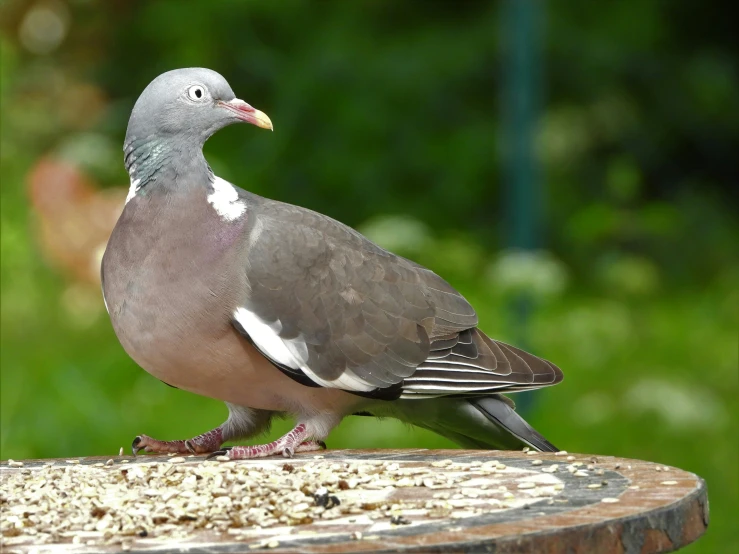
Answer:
x=387 y=117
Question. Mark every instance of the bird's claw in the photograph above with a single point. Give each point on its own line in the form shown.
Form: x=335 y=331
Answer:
x=222 y=452
x=135 y=444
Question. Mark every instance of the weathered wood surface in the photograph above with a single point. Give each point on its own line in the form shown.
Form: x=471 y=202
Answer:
x=416 y=501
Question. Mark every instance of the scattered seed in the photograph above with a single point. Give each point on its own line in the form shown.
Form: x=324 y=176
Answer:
x=13 y=463
x=609 y=500
x=526 y=485
x=669 y=482
x=399 y=520
x=536 y=462
x=561 y=453
x=570 y=458
x=168 y=499
x=120 y=451
x=325 y=500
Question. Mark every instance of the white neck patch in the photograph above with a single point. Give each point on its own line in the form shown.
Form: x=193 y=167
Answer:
x=132 y=189
x=225 y=200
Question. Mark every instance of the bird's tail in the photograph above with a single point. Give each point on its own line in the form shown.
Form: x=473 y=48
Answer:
x=502 y=414
x=487 y=423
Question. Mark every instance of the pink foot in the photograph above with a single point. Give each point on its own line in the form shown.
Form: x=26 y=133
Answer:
x=295 y=441
x=202 y=444
x=310 y=446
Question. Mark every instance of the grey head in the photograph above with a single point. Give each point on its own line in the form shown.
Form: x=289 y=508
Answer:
x=177 y=113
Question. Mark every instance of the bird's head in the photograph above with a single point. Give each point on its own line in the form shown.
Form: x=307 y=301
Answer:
x=189 y=104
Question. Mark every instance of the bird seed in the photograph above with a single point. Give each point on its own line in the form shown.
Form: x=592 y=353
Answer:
x=170 y=498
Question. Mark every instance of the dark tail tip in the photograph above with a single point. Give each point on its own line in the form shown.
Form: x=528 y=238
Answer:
x=501 y=413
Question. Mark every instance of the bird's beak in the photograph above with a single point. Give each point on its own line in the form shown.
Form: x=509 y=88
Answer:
x=245 y=112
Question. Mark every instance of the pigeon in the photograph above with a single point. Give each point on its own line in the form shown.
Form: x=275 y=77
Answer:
x=278 y=310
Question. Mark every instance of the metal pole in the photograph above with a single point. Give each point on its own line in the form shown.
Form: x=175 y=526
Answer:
x=523 y=198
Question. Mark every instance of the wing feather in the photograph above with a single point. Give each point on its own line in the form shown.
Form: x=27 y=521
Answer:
x=345 y=313
x=497 y=367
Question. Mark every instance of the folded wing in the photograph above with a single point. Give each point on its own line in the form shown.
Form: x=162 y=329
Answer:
x=332 y=309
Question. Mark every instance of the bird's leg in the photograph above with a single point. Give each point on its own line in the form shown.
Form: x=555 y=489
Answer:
x=264 y=450
x=285 y=445
x=242 y=422
x=300 y=439
x=207 y=442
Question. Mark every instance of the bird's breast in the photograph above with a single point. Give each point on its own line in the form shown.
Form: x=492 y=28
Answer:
x=170 y=286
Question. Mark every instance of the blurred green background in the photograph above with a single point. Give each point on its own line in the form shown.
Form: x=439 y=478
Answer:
x=400 y=118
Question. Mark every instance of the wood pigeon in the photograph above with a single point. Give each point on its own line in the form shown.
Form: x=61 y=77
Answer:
x=278 y=310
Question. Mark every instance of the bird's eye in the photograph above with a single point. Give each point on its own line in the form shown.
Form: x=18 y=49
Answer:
x=196 y=92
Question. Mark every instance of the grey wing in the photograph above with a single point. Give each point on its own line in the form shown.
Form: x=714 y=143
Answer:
x=331 y=308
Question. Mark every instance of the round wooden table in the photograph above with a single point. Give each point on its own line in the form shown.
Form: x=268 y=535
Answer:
x=352 y=501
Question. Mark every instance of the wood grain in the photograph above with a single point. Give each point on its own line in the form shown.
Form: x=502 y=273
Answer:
x=612 y=505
